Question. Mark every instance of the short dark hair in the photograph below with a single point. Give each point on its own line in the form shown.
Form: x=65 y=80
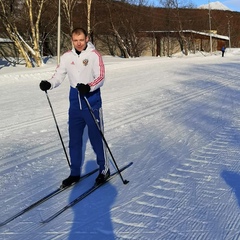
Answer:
x=79 y=31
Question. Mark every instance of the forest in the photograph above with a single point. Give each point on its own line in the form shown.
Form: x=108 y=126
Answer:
x=32 y=25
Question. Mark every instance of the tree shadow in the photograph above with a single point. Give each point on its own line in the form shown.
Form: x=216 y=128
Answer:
x=233 y=180
x=4 y=63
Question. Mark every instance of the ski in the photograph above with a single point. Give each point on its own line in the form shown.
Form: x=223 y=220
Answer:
x=84 y=195
x=45 y=198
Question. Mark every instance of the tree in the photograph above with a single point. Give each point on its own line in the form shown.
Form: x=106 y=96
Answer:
x=124 y=24
x=35 y=13
x=68 y=8
x=11 y=11
x=7 y=16
x=173 y=7
x=89 y=4
x=116 y=33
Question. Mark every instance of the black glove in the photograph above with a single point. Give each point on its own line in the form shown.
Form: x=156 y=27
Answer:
x=83 y=88
x=45 y=85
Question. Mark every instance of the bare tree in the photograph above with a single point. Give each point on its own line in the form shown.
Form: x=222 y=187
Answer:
x=125 y=27
x=10 y=13
x=7 y=16
x=116 y=33
x=35 y=13
x=89 y=4
x=68 y=7
x=174 y=12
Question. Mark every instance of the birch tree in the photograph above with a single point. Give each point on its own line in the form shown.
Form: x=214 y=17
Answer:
x=119 y=39
x=35 y=13
x=10 y=11
x=125 y=27
x=68 y=8
x=173 y=7
x=89 y=4
x=7 y=17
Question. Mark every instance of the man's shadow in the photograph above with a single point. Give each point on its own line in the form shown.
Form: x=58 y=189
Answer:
x=92 y=216
x=233 y=180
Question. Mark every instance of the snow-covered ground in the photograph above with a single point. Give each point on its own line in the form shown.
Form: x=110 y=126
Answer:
x=177 y=119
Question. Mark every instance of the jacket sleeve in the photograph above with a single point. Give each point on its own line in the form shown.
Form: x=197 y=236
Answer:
x=59 y=75
x=98 y=72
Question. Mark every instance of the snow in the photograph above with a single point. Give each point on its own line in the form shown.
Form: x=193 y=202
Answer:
x=215 y=5
x=176 y=119
x=5 y=40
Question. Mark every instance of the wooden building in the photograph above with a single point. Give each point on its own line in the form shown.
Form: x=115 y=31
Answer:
x=171 y=42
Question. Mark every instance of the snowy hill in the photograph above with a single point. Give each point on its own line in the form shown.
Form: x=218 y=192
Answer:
x=177 y=119
x=215 y=5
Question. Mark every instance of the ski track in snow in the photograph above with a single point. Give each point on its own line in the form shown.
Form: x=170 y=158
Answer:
x=179 y=126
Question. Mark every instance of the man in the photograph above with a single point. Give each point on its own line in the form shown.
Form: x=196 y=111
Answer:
x=223 y=50
x=85 y=69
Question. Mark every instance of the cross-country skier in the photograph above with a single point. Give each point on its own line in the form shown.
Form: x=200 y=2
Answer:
x=85 y=69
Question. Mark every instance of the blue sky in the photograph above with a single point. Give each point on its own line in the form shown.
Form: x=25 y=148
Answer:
x=232 y=4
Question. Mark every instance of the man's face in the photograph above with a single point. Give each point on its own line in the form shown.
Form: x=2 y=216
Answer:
x=79 y=41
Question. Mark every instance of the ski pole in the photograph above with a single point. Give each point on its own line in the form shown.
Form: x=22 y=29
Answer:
x=60 y=136
x=105 y=141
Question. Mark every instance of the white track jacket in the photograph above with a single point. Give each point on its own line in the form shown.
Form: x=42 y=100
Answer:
x=86 y=68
